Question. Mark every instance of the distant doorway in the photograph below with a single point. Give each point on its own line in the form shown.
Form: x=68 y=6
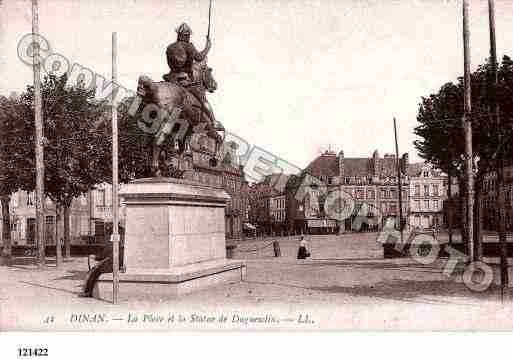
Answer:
x=31 y=231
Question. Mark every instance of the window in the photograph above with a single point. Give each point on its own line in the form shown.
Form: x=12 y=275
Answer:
x=383 y=193
x=417 y=205
x=426 y=174
x=393 y=193
x=426 y=190
x=30 y=198
x=359 y=194
x=50 y=229
x=417 y=190
x=426 y=204
x=370 y=194
x=435 y=205
x=435 y=190
x=393 y=207
x=101 y=197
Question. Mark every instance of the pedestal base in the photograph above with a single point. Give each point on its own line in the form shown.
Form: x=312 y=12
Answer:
x=168 y=283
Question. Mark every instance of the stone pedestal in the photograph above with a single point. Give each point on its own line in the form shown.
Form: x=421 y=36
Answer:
x=174 y=239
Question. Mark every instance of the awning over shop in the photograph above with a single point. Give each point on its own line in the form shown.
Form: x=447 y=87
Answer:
x=322 y=223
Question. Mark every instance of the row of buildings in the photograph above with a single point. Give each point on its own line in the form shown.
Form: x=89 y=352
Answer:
x=91 y=214
x=332 y=194
x=335 y=193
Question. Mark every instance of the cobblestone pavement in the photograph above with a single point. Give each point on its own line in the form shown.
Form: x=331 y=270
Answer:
x=346 y=284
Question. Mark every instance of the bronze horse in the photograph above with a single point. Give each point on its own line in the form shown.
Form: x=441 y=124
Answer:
x=178 y=105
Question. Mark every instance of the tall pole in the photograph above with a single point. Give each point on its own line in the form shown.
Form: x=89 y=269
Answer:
x=38 y=117
x=115 y=202
x=467 y=126
x=501 y=201
x=399 y=182
x=449 y=203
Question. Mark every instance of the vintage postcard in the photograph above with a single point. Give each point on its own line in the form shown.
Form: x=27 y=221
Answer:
x=255 y=165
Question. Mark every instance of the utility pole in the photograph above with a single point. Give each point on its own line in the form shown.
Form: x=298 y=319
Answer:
x=501 y=201
x=38 y=116
x=399 y=183
x=449 y=195
x=115 y=201
x=467 y=127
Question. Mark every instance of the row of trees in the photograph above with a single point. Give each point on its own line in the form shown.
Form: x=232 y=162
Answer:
x=77 y=147
x=441 y=135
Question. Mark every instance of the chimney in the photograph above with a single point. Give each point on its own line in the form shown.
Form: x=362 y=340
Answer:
x=375 y=158
x=341 y=164
x=405 y=163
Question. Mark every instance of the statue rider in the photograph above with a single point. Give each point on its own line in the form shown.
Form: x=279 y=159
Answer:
x=180 y=57
x=181 y=54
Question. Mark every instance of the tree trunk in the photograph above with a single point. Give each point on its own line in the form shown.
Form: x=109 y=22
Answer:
x=449 y=205
x=463 y=206
x=6 y=256
x=478 y=218
x=58 y=247
x=67 y=244
x=501 y=206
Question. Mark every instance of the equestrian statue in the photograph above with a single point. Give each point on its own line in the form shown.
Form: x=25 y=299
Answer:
x=181 y=97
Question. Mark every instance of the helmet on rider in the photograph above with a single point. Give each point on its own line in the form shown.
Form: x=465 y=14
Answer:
x=184 y=32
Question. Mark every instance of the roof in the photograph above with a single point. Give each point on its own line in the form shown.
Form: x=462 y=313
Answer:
x=324 y=165
x=327 y=165
x=414 y=169
x=277 y=181
x=356 y=167
x=387 y=166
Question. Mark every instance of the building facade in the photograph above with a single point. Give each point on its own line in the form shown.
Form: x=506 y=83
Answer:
x=23 y=220
x=267 y=204
x=365 y=190
x=428 y=191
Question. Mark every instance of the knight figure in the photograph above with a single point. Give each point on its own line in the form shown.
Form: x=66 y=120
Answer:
x=182 y=59
x=181 y=55
x=183 y=95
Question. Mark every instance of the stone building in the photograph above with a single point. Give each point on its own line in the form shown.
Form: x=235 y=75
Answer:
x=267 y=204
x=428 y=191
x=369 y=193
x=23 y=220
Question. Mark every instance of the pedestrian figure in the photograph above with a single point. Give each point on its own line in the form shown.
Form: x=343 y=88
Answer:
x=302 y=252
x=104 y=265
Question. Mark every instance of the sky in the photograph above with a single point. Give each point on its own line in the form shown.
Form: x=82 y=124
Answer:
x=295 y=77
